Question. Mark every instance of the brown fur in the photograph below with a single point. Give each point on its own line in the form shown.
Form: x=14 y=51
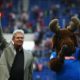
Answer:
x=63 y=37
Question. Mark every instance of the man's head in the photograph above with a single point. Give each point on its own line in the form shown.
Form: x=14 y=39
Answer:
x=18 y=38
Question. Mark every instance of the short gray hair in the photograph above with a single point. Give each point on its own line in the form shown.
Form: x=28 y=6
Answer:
x=17 y=30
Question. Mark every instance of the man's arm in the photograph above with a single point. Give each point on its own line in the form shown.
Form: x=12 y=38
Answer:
x=3 y=42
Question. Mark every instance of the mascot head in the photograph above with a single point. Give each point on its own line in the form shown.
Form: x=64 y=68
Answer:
x=64 y=36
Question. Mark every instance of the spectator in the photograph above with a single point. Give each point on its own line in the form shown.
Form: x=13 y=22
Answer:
x=15 y=62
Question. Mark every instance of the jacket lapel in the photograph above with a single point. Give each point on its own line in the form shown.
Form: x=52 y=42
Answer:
x=11 y=55
x=25 y=59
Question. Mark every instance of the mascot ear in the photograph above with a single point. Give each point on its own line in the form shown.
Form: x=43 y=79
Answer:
x=74 y=23
x=54 y=25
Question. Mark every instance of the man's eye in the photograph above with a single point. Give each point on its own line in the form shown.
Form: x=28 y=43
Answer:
x=19 y=37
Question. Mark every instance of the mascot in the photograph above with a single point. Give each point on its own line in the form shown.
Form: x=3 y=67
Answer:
x=63 y=61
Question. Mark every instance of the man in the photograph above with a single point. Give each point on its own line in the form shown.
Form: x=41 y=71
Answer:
x=15 y=62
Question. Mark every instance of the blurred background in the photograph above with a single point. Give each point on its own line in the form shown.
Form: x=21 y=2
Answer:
x=33 y=16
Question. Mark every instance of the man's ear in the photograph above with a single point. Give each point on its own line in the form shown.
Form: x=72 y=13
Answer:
x=54 y=25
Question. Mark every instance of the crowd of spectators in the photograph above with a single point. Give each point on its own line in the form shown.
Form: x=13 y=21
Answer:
x=36 y=21
x=38 y=15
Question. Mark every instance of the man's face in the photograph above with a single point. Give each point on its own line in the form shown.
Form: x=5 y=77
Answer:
x=18 y=39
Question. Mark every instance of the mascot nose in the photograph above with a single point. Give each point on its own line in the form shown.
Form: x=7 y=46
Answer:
x=65 y=48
